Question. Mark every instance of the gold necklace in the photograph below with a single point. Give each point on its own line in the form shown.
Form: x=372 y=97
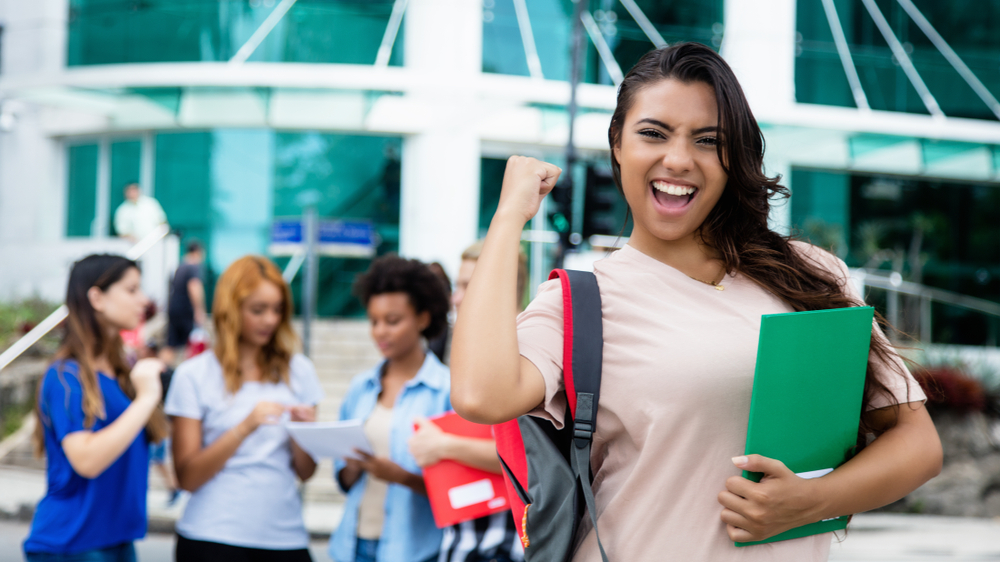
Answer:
x=718 y=285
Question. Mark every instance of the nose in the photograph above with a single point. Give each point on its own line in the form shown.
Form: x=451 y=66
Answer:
x=678 y=158
x=456 y=298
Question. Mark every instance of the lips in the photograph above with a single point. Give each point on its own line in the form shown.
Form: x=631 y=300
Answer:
x=673 y=195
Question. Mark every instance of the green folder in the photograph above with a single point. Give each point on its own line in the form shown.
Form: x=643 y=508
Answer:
x=807 y=391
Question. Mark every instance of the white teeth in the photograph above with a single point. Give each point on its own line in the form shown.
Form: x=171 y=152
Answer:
x=673 y=189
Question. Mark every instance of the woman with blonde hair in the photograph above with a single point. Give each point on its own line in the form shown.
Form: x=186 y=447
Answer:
x=96 y=418
x=229 y=449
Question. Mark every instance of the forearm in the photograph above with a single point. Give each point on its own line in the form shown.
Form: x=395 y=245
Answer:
x=196 y=293
x=412 y=481
x=302 y=463
x=348 y=476
x=477 y=453
x=90 y=453
x=485 y=361
x=895 y=464
x=194 y=470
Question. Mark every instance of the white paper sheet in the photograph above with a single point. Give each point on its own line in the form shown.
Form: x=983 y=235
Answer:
x=326 y=440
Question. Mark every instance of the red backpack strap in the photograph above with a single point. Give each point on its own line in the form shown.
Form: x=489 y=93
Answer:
x=583 y=345
x=567 y=297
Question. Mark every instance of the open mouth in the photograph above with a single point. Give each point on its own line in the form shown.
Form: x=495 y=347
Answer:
x=672 y=195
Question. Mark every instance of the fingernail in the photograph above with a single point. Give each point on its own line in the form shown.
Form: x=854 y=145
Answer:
x=740 y=461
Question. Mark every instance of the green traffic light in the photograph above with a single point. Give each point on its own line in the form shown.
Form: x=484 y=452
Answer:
x=559 y=222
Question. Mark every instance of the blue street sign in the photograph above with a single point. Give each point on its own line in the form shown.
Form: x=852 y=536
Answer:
x=350 y=238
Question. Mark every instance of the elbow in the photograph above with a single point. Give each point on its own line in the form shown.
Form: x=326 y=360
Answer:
x=185 y=481
x=476 y=408
x=87 y=470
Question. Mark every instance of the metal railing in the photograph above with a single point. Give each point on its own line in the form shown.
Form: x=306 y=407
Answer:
x=893 y=283
x=53 y=320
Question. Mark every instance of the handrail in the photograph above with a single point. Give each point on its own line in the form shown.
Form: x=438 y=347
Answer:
x=294 y=265
x=60 y=314
x=894 y=282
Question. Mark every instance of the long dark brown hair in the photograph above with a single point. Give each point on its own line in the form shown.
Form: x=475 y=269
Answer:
x=86 y=339
x=737 y=226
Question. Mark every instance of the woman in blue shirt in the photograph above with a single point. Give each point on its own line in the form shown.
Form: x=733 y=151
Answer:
x=96 y=418
x=387 y=516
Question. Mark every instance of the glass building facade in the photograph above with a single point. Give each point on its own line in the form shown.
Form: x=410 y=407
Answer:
x=228 y=158
x=226 y=187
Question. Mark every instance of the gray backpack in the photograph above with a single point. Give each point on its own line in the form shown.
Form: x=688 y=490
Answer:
x=547 y=470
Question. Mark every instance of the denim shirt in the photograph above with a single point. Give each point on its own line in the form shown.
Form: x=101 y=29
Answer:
x=408 y=533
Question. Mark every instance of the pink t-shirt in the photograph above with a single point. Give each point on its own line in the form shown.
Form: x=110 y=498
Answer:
x=677 y=376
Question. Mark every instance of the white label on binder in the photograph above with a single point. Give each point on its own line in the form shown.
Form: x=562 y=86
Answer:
x=471 y=493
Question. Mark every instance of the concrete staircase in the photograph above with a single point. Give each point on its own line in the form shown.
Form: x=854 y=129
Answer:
x=340 y=350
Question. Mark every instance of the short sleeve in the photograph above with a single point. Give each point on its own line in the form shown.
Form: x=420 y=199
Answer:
x=540 y=340
x=183 y=399
x=895 y=376
x=62 y=400
x=305 y=383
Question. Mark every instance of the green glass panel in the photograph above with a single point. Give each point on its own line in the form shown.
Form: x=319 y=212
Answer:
x=490 y=181
x=551 y=25
x=126 y=157
x=127 y=31
x=338 y=32
x=942 y=234
x=81 y=189
x=820 y=212
x=969 y=27
x=358 y=177
x=183 y=188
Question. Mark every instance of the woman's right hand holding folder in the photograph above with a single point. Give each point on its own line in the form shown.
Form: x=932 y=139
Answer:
x=906 y=453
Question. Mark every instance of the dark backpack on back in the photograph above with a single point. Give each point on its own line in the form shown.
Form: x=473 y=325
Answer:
x=548 y=470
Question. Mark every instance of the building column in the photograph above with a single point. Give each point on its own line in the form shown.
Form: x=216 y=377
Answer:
x=32 y=174
x=759 y=45
x=440 y=165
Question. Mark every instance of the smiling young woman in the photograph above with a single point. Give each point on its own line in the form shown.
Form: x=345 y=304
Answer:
x=681 y=306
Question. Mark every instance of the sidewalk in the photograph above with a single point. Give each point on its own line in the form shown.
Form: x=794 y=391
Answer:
x=21 y=488
x=872 y=537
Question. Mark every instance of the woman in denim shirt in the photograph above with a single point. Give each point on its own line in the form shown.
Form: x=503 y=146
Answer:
x=387 y=517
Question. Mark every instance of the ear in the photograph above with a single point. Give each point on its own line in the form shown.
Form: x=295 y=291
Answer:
x=96 y=298
x=617 y=150
x=423 y=320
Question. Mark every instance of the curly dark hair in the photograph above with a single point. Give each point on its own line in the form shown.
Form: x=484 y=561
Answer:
x=393 y=274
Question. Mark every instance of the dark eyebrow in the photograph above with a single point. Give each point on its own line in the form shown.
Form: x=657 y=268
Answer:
x=663 y=125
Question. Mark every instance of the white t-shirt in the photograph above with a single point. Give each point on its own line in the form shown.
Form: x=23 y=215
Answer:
x=140 y=218
x=253 y=501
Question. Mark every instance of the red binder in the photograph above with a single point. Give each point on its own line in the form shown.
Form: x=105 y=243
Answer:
x=458 y=492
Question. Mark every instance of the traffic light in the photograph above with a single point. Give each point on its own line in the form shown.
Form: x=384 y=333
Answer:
x=603 y=207
x=561 y=211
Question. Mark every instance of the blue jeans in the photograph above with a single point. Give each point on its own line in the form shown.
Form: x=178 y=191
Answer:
x=121 y=553
x=366 y=549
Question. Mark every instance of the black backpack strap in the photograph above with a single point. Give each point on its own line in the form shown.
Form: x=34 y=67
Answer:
x=583 y=350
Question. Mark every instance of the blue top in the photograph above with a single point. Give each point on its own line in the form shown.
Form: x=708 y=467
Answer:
x=409 y=533
x=79 y=514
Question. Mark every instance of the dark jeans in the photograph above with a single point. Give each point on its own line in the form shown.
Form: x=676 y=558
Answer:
x=204 y=551
x=121 y=553
x=366 y=549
